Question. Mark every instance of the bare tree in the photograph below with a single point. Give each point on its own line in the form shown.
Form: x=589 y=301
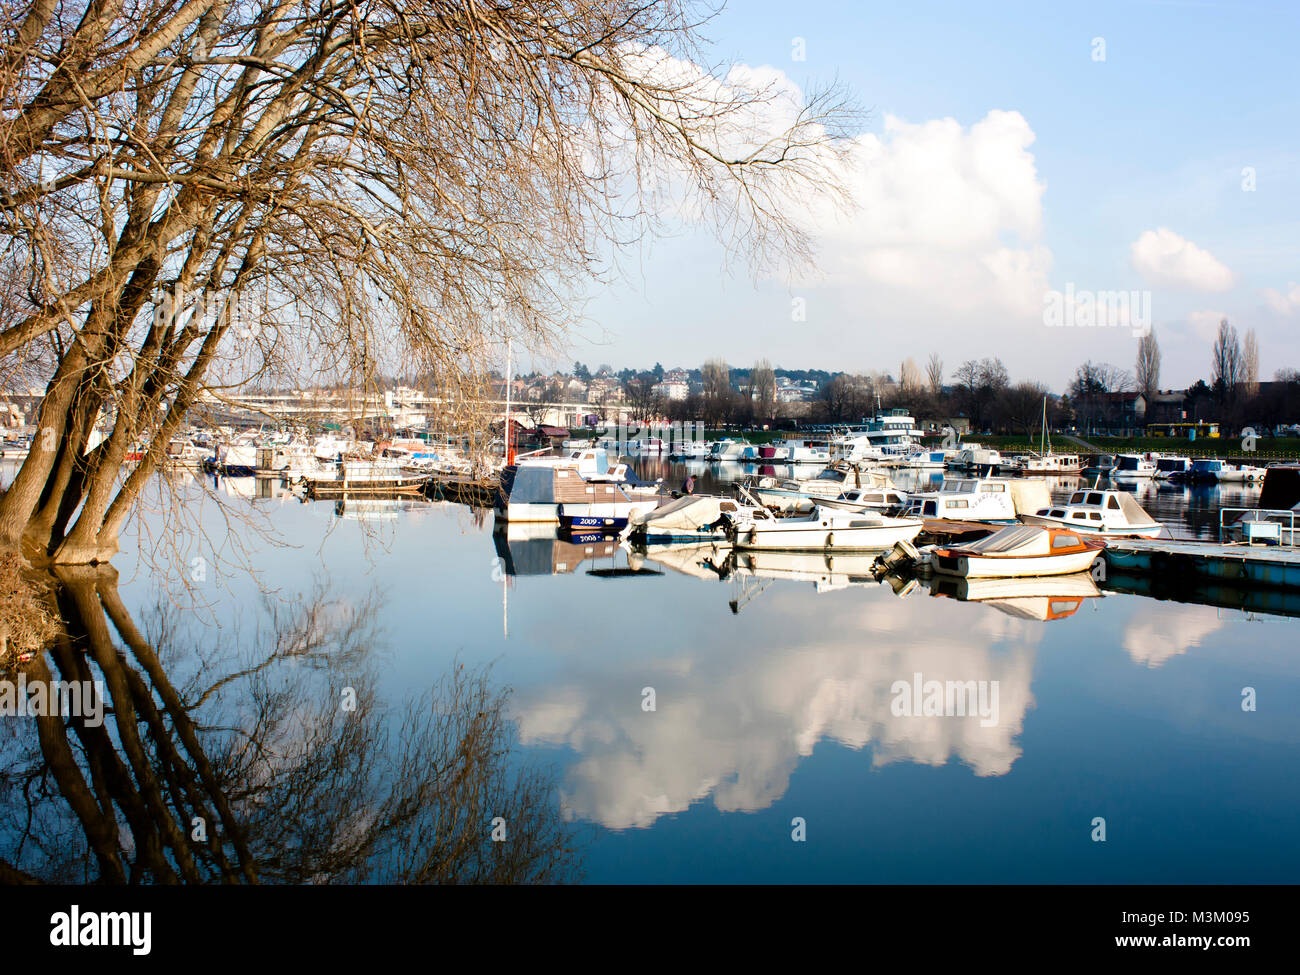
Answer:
x=909 y=378
x=1022 y=407
x=1250 y=363
x=846 y=398
x=198 y=194
x=247 y=737
x=934 y=373
x=1148 y=365
x=1090 y=390
x=716 y=394
x=979 y=385
x=762 y=383
x=1225 y=363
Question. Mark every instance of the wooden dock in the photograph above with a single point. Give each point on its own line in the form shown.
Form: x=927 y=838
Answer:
x=1238 y=564
x=477 y=492
x=320 y=489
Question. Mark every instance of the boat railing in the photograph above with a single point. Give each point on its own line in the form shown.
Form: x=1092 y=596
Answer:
x=1244 y=528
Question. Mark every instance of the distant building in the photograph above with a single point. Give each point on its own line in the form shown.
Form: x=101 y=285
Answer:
x=671 y=389
x=1118 y=414
x=1167 y=406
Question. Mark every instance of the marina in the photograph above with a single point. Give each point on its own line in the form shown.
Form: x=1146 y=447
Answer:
x=659 y=444
x=794 y=704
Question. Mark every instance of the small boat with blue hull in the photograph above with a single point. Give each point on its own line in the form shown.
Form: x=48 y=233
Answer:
x=610 y=514
x=1212 y=470
x=535 y=489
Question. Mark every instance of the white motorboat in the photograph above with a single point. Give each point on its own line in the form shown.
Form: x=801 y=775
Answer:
x=1046 y=461
x=977 y=458
x=797 y=452
x=235 y=459
x=732 y=450
x=1171 y=467
x=689 y=449
x=1051 y=464
x=927 y=460
x=989 y=499
x=893 y=433
x=799 y=494
x=183 y=452
x=330 y=448
x=1134 y=467
x=1212 y=470
x=646 y=447
x=822 y=528
x=1020 y=550
x=692 y=519
x=886 y=500
x=534 y=488
x=1097 y=512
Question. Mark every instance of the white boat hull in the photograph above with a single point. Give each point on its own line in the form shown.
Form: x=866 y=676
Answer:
x=1008 y=567
x=816 y=535
x=517 y=512
x=1141 y=531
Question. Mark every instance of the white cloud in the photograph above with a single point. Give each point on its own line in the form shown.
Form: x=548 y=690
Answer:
x=734 y=725
x=947 y=216
x=1163 y=632
x=1205 y=324
x=1287 y=303
x=1168 y=260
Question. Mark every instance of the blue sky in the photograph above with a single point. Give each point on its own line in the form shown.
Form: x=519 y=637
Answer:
x=1152 y=140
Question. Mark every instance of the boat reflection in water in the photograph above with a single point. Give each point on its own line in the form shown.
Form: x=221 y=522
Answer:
x=1043 y=598
x=222 y=763
x=533 y=548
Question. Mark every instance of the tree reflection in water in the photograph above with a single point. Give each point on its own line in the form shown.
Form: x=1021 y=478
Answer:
x=245 y=764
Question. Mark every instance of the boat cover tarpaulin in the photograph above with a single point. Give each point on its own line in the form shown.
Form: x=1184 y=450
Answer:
x=1023 y=540
x=1133 y=511
x=684 y=514
x=1028 y=496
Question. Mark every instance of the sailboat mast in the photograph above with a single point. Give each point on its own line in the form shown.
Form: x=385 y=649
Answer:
x=510 y=458
x=1042 y=433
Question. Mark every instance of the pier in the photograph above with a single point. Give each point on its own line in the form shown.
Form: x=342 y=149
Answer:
x=1235 y=563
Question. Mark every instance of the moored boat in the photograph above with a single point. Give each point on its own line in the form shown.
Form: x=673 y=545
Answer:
x=1020 y=550
x=822 y=528
x=534 y=488
x=1097 y=512
x=687 y=520
x=799 y=494
x=988 y=499
x=1169 y=467
x=1134 y=467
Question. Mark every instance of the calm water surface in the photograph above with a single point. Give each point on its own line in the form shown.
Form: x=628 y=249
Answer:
x=774 y=701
